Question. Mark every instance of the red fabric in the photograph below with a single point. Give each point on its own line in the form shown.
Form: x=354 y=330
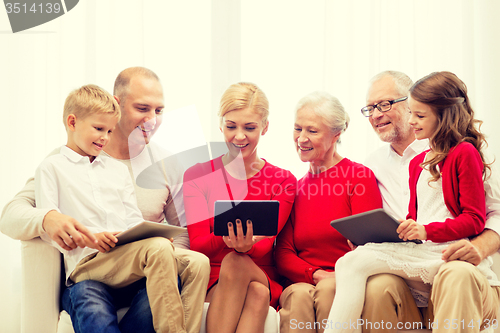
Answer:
x=308 y=242
x=205 y=183
x=463 y=192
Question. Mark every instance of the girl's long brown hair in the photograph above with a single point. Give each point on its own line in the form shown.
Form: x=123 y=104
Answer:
x=446 y=94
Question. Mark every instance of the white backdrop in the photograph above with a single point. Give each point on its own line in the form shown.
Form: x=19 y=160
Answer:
x=199 y=47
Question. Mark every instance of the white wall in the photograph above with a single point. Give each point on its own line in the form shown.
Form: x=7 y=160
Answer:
x=199 y=47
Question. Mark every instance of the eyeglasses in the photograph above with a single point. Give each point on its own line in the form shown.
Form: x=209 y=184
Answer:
x=383 y=106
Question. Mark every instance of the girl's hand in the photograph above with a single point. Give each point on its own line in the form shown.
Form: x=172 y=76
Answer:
x=105 y=241
x=241 y=243
x=409 y=230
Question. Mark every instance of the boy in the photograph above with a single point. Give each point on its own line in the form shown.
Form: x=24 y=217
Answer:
x=98 y=192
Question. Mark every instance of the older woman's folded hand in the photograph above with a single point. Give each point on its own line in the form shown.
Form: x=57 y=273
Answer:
x=321 y=274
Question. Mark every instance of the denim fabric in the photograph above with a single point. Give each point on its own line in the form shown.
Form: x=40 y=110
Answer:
x=92 y=307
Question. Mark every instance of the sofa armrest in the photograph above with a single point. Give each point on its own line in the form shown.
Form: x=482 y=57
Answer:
x=41 y=283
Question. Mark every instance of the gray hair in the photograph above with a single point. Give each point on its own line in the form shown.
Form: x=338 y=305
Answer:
x=401 y=80
x=328 y=107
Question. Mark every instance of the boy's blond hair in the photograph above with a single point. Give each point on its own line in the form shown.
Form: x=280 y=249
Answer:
x=90 y=99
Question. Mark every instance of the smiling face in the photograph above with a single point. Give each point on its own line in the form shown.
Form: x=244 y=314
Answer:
x=391 y=126
x=314 y=141
x=423 y=119
x=88 y=136
x=242 y=130
x=141 y=109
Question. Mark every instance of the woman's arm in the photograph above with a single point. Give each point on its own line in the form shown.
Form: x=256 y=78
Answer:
x=365 y=194
x=289 y=264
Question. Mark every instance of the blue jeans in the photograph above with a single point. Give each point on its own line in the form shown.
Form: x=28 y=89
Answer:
x=92 y=307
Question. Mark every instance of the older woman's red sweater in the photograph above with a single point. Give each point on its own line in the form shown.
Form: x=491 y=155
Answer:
x=308 y=242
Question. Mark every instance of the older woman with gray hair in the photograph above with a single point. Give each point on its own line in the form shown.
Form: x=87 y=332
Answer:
x=334 y=187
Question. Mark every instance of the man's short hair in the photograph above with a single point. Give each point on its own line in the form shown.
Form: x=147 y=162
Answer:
x=122 y=81
x=90 y=99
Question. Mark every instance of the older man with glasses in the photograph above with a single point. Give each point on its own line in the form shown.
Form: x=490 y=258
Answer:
x=461 y=298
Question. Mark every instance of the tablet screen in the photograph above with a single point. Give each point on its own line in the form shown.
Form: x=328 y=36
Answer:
x=263 y=214
x=375 y=226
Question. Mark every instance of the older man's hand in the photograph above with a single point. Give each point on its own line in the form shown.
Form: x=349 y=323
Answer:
x=463 y=250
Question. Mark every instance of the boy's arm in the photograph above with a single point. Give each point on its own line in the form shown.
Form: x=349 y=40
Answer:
x=22 y=220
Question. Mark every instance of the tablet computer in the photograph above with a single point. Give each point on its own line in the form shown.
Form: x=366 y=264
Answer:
x=263 y=214
x=148 y=229
x=374 y=226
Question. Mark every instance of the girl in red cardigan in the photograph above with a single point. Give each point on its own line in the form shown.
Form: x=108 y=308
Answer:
x=447 y=183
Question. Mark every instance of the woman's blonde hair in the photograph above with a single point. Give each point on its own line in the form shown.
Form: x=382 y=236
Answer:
x=241 y=96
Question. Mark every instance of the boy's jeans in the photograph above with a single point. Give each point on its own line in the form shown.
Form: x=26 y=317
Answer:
x=92 y=307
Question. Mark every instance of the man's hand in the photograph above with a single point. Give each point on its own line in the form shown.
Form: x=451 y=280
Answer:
x=321 y=274
x=474 y=251
x=409 y=230
x=462 y=250
x=66 y=231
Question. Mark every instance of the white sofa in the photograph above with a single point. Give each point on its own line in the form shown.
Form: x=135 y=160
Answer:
x=41 y=283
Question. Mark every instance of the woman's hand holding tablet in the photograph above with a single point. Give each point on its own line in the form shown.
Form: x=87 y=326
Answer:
x=240 y=241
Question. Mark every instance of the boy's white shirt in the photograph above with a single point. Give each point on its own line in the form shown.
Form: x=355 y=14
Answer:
x=20 y=221
x=100 y=195
x=392 y=175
